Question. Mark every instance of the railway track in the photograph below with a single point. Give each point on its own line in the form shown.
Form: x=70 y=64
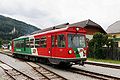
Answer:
x=103 y=64
x=6 y=53
x=40 y=72
x=84 y=72
x=93 y=74
x=13 y=73
x=87 y=62
x=50 y=75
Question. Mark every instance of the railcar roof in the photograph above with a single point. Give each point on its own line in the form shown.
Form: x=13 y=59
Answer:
x=45 y=31
x=51 y=28
x=54 y=30
x=40 y=32
x=22 y=37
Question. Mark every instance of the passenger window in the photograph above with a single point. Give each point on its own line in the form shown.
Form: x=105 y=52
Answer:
x=27 y=43
x=53 y=41
x=17 y=44
x=37 y=43
x=31 y=43
x=43 y=42
x=61 y=40
x=22 y=43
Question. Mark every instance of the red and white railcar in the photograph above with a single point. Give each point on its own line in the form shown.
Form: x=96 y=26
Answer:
x=57 y=45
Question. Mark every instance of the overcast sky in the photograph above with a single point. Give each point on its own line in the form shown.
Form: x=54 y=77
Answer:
x=46 y=13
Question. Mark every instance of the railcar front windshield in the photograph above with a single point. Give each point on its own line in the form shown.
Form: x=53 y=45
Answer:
x=76 y=41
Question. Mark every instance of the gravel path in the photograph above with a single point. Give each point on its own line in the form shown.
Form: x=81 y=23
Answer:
x=67 y=74
x=102 y=70
x=3 y=75
x=28 y=70
x=19 y=65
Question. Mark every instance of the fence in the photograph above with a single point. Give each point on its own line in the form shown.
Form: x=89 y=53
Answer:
x=112 y=53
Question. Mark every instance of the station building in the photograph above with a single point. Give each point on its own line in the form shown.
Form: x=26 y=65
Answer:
x=90 y=26
x=114 y=31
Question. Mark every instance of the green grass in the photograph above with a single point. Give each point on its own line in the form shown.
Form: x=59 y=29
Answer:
x=0 y=49
x=104 y=60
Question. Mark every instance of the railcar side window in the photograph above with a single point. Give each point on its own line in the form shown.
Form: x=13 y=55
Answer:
x=37 y=43
x=31 y=43
x=22 y=43
x=53 y=41
x=61 y=40
x=27 y=43
x=17 y=44
x=43 y=42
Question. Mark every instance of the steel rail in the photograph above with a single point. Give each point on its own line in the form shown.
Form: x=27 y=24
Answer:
x=17 y=71
x=93 y=74
x=8 y=73
x=87 y=62
x=104 y=65
x=49 y=72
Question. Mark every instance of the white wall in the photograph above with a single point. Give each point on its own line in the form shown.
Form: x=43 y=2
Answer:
x=89 y=37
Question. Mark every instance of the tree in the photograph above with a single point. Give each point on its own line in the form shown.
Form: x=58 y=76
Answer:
x=0 y=43
x=96 y=44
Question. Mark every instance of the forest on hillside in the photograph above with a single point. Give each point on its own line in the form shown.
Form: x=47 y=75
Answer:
x=11 y=28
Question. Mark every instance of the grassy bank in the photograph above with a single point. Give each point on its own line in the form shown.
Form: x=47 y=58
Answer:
x=106 y=61
x=0 y=49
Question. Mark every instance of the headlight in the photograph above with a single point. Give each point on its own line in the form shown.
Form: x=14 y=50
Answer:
x=77 y=29
x=85 y=51
x=70 y=51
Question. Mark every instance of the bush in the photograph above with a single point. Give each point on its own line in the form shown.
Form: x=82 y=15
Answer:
x=96 y=44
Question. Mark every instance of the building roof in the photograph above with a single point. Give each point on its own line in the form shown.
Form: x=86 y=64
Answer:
x=86 y=23
x=114 y=28
x=83 y=24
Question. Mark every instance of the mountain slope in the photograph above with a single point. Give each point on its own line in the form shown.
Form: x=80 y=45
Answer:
x=11 y=28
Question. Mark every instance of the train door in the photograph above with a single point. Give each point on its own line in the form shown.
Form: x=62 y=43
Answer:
x=58 y=45
x=49 y=46
x=53 y=49
x=12 y=46
x=53 y=44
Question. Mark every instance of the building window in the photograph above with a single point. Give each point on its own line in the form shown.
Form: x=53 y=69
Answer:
x=43 y=42
x=61 y=40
